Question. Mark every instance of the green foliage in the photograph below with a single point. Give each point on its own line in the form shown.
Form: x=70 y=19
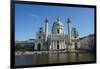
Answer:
x=19 y=47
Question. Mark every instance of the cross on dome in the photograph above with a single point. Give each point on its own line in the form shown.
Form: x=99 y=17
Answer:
x=58 y=18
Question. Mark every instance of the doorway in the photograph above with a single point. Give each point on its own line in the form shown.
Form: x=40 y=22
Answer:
x=38 y=47
x=76 y=46
x=58 y=46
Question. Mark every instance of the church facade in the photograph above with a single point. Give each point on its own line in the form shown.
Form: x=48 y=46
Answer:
x=58 y=39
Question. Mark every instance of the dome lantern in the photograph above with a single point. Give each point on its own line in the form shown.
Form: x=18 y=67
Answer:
x=58 y=19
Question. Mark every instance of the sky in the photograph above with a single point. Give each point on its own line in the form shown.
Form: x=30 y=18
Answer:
x=28 y=19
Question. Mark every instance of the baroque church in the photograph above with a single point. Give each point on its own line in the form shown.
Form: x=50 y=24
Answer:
x=58 y=39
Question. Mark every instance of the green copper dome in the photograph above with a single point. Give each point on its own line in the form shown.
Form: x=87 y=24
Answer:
x=57 y=23
x=58 y=27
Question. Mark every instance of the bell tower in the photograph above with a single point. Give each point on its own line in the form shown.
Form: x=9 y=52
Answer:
x=46 y=28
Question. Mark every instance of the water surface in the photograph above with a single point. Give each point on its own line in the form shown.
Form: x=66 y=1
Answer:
x=37 y=59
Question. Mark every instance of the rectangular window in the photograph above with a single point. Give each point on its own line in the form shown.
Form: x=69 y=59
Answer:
x=58 y=31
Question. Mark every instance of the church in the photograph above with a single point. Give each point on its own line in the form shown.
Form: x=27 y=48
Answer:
x=58 y=39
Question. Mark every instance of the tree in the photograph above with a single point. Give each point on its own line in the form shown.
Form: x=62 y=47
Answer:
x=19 y=47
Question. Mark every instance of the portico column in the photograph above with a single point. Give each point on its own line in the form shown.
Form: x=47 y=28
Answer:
x=56 y=44
x=64 y=45
x=61 y=44
x=53 y=44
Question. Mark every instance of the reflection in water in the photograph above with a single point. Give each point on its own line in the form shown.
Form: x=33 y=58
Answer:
x=37 y=59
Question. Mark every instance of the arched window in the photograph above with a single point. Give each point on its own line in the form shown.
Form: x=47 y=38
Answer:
x=40 y=31
x=57 y=24
x=39 y=37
